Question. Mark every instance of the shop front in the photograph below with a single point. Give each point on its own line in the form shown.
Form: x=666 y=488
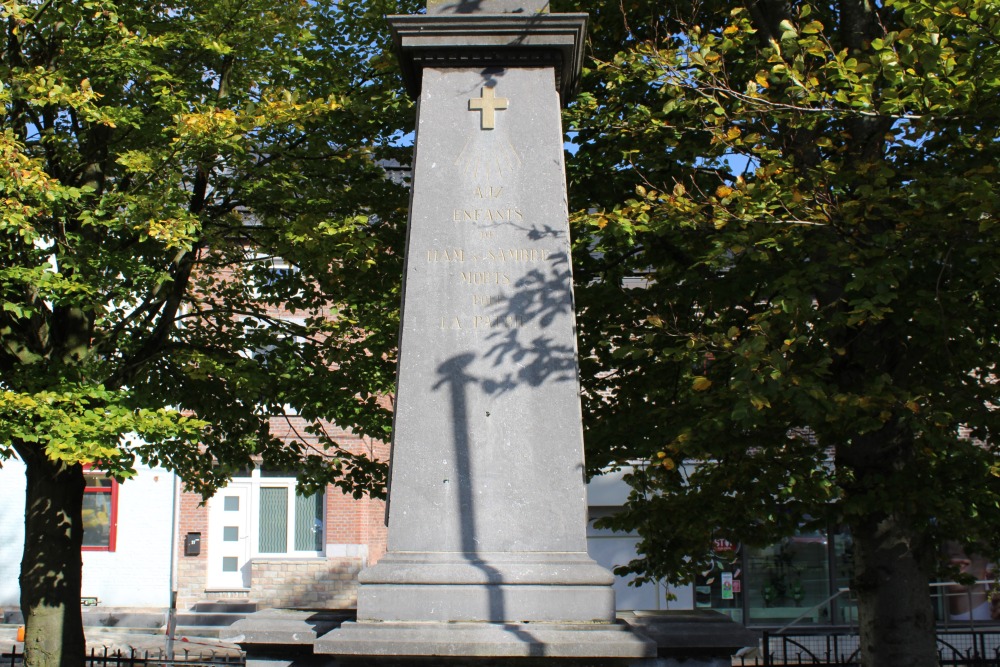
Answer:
x=804 y=581
x=801 y=579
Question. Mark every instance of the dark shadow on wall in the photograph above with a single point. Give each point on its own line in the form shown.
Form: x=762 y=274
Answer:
x=455 y=378
x=531 y=345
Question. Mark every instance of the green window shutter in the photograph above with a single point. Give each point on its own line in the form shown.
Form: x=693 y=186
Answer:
x=273 y=520
x=309 y=522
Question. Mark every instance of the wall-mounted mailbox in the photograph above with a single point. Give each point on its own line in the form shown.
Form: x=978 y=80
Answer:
x=192 y=544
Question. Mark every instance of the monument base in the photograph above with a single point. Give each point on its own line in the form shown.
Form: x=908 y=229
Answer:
x=560 y=588
x=613 y=641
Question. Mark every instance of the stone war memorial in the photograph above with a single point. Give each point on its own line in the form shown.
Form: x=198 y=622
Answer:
x=487 y=552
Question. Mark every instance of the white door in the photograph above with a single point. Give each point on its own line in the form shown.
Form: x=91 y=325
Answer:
x=228 y=545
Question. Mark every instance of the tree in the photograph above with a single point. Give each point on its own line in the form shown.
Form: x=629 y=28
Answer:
x=807 y=192
x=155 y=158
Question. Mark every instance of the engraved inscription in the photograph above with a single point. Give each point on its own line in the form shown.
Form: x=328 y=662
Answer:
x=481 y=322
x=446 y=255
x=487 y=215
x=488 y=192
x=505 y=322
x=496 y=255
x=477 y=278
x=525 y=255
x=487 y=300
x=485 y=161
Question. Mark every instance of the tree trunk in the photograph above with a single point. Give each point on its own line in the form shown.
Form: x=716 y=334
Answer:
x=52 y=566
x=892 y=582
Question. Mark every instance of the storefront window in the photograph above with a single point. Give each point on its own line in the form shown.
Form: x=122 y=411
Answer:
x=845 y=607
x=720 y=587
x=790 y=581
x=972 y=599
x=806 y=579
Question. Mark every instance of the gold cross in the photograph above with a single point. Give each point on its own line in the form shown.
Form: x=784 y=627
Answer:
x=488 y=104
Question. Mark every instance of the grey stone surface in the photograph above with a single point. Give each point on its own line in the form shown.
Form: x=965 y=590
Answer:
x=487 y=6
x=283 y=627
x=694 y=633
x=550 y=603
x=487 y=516
x=491 y=640
x=491 y=41
x=487 y=447
x=487 y=548
x=487 y=520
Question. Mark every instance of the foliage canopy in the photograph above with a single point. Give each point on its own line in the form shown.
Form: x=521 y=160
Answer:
x=806 y=192
x=171 y=175
x=197 y=233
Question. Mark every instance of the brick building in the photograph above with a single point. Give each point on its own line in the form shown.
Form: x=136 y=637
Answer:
x=256 y=540
x=133 y=528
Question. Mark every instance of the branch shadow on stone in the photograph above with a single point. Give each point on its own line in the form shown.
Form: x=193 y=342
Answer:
x=540 y=300
x=454 y=375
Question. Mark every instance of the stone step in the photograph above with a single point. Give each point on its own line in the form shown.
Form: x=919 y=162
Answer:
x=209 y=619
x=224 y=607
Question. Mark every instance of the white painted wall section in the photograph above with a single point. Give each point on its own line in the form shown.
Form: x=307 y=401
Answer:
x=136 y=574
x=605 y=494
x=11 y=530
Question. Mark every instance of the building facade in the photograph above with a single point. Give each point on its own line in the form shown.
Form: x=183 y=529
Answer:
x=127 y=541
x=258 y=540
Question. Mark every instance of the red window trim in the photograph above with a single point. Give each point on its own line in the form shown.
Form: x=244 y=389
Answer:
x=113 y=528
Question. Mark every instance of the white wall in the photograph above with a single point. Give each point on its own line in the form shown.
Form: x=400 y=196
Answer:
x=136 y=574
x=11 y=530
x=605 y=494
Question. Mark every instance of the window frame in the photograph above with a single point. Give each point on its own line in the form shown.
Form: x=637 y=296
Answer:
x=257 y=481
x=112 y=493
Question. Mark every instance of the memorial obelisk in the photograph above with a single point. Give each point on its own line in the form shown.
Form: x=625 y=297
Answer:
x=487 y=551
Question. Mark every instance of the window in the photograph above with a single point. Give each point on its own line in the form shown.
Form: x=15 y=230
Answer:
x=298 y=523
x=100 y=512
x=276 y=519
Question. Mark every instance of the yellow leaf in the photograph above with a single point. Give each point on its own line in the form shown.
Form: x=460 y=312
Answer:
x=669 y=464
x=723 y=191
x=731 y=30
x=701 y=383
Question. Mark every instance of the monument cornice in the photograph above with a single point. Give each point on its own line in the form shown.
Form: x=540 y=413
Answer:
x=491 y=40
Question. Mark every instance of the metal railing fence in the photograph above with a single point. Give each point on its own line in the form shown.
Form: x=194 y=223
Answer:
x=135 y=658
x=956 y=648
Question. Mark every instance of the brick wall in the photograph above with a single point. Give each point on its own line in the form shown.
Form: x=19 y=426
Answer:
x=350 y=522
x=329 y=583
x=192 y=571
